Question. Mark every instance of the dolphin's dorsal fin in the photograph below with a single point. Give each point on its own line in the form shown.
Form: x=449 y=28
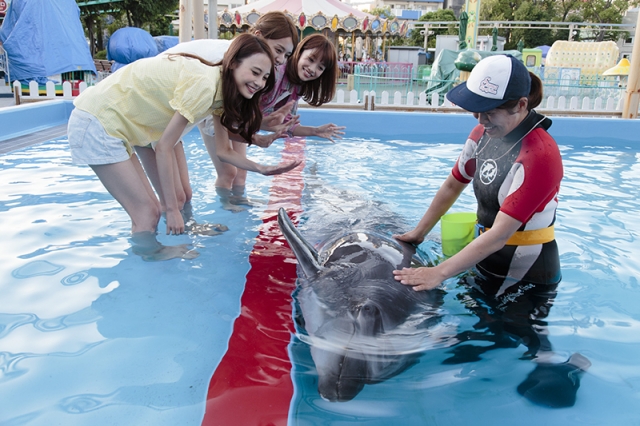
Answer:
x=305 y=253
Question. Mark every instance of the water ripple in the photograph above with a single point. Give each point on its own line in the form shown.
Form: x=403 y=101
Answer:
x=36 y=268
x=75 y=279
x=85 y=403
x=9 y=322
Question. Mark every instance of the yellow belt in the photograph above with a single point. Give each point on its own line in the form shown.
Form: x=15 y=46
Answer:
x=528 y=238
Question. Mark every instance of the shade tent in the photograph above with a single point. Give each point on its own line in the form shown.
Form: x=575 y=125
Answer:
x=315 y=14
x=44 y=38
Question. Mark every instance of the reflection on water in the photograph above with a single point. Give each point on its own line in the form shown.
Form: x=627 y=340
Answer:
x=593 y=310
x=91 y=334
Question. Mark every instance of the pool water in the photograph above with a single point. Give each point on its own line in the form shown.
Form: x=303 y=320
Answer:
x=91 y=334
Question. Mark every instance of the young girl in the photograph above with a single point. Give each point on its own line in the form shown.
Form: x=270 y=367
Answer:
x=311 y=74
x=281 y=35
x=155 y=99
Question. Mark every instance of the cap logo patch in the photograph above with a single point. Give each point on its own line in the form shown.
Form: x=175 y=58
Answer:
x=487 y=86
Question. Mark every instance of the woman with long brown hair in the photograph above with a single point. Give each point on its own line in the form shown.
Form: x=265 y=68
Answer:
x=154 y=100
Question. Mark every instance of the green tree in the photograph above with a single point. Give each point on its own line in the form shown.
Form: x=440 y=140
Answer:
x=498 y=10
x=141 y=12
x=591 y=11
x=417 y=39
x=383 y=12
x=152 y=15
x=606 y=12
x=565 y=8
x=536 y=12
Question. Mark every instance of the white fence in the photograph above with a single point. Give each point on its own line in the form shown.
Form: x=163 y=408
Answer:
x=50 y=91
x=411 y=102
x=435 y=102
x=4 y=63
x=5 y=87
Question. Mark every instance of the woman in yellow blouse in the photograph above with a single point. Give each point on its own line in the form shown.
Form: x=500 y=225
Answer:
x=155 y=99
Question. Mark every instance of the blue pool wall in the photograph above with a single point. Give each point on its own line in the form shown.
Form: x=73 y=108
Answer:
x=22 y=120
x=451 y=128
x=412 y=126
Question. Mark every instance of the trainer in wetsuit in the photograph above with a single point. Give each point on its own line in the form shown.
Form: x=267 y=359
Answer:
x=516 y=170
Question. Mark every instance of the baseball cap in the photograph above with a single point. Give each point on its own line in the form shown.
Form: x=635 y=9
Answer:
x=492 y=82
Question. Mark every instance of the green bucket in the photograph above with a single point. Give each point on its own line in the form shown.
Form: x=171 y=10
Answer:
x=457 y=231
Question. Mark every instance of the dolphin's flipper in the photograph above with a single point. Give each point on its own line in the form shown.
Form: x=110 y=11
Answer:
x=555 y=385
x=305 y=253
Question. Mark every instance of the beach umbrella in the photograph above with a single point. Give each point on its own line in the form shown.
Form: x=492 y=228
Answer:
x=494 y=35
x=462 y=35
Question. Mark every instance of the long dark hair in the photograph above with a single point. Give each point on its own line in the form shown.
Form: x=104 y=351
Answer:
x=320 y=90
x=239 y=114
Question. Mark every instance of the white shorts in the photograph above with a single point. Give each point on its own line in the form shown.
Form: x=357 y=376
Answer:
x=206 y=126
x=184 y=133
x=90 y=143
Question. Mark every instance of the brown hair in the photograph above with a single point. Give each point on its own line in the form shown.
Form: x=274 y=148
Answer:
x=241 y=115
x=534 y=98
x=320 y=90
x=276 y=25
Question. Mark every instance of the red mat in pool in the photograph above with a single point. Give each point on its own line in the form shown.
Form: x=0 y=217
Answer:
x=252 y=385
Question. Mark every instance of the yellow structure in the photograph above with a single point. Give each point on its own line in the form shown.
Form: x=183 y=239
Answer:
x=532 y=57
x=621 y=69
x=620 y=72
x=591 y=58
x=472 y=8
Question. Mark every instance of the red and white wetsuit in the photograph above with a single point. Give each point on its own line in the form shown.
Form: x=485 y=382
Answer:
x=520 y=176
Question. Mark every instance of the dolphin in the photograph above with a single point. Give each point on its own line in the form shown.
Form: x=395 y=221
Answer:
x=362 y=325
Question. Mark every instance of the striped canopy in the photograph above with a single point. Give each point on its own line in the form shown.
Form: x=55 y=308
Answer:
x=317 y=14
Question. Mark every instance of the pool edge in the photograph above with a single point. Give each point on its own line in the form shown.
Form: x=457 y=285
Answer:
x=22 y=120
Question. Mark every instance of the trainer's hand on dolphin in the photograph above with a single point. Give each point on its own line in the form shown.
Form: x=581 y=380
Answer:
x=425 y=278
x=411 y=237
x=280 y=168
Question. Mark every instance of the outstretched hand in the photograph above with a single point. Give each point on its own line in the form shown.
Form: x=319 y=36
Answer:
x=330 y=131
x=280 y=168
x=277 y=117
x=282 y=130
x=279 y=131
